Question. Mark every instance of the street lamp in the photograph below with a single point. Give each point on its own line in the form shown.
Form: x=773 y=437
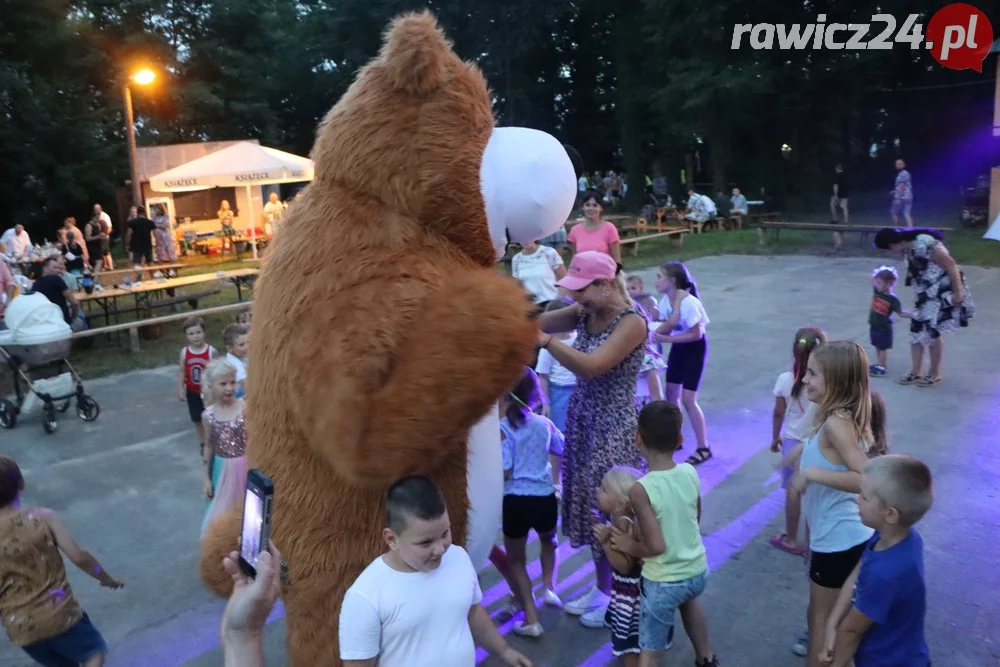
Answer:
x=142 y=77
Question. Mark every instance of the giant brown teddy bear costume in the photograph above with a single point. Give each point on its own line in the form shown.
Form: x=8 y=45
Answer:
x=382 y=332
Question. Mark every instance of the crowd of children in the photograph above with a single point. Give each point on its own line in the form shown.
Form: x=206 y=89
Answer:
x=866 y=588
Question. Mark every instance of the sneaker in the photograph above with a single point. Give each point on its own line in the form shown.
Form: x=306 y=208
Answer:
x=595 y=617
x=592 y=599
x=550 y=599
x=801 y=645
x=708 y=662
x=509 y=610
x=877 y=371
x=525 y=630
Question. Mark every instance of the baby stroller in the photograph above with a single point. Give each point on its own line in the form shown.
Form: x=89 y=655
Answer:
x=38 y=338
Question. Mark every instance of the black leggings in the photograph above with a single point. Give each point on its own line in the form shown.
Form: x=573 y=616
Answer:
x=686 y=363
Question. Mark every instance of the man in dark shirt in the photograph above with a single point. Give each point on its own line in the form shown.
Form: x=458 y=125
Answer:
x=54 y=288
x=838 y=202
x=139 y=238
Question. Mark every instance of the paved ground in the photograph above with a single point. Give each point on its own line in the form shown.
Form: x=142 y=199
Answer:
x=128 y=487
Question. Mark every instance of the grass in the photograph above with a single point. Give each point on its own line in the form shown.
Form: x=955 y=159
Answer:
x=111 y=357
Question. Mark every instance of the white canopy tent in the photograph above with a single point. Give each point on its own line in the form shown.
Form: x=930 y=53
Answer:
x=244 y=164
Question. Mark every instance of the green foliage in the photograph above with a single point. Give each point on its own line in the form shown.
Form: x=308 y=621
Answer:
x=627 y=83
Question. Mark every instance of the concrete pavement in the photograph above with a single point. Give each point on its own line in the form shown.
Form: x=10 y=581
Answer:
x=128 y=486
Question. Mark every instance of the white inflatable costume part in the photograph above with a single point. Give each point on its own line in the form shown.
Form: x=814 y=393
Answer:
x=529 y=186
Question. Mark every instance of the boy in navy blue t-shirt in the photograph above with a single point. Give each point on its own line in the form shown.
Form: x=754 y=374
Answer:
x=878 y=620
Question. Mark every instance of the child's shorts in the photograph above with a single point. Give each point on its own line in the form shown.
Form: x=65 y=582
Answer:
x=196 y=406
x=522 y=514
x=658 y=603
x=73 y=647
x=881 y=338
x=831 y=570
x=559 y=396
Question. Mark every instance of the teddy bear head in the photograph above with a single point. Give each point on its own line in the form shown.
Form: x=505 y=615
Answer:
x=411 y=132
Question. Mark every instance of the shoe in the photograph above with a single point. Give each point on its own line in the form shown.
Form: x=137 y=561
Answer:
x=525 y=630
x=550 y=599
x=592 y=599
x=708 y=662
x=877 y=371
x=509 y=610
x=801 y=645
x=595 y=617
x=909 y=378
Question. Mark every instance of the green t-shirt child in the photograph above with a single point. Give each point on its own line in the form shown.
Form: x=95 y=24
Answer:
x=884 y=305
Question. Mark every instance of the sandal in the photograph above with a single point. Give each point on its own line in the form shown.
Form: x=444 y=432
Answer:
x=700 y=455
x=929 y=381
x=778 y=542
x=909 y=378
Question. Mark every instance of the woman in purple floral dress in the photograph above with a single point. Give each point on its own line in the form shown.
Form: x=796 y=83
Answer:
x=602 y=420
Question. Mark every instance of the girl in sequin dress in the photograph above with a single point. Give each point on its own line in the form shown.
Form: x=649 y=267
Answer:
x=226 y=472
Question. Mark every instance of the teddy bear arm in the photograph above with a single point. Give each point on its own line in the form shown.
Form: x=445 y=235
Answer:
x=477 y=333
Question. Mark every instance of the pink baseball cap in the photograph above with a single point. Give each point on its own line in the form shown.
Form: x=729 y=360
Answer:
x=587 y=267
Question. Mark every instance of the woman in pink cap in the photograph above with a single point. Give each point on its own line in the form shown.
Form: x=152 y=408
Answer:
x=601 y=421
x=594 y=233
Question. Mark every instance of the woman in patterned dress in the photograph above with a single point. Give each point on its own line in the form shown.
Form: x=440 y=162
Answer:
x=601 y=421
x=943 y=299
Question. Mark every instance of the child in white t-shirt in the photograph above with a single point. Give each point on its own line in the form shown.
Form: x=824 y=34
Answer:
x=557 y=386
x=538 y=267
x=419 y=604
x=791 y=425
x=237 y=340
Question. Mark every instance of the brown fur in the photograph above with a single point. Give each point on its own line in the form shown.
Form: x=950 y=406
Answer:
x=382 y=333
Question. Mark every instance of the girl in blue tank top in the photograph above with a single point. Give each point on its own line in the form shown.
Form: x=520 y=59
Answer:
x=829 y=475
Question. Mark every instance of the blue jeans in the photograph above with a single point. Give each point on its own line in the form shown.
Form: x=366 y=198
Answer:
x=658 y=603
x=559 y=404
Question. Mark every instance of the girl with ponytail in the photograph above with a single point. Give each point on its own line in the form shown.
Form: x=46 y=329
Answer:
x=791 y=424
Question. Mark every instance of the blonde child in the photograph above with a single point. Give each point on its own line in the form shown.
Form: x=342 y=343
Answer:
x=226 y=468
x=884 y=304
x=194 y=358
x=791 y=424
x=623 y=612
x=830 y=464
x=529 y=501
x=557 y=386
x=37 y=605
x=237 y=340
x=667 y=506
x=649 y=385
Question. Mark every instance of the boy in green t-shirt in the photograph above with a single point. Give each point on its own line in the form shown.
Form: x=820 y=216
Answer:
x=884 y=304
x=667 y=502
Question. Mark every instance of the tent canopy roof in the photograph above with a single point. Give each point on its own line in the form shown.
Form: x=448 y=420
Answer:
x=241 y=164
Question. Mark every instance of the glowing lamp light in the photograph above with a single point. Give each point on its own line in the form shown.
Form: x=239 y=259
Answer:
x=144 y=77
x=786 y=149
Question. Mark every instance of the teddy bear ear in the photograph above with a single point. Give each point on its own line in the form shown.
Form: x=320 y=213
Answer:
x=415 y=53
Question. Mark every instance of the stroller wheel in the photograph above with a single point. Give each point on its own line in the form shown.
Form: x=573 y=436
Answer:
x=65 y=405
x=8 y=413
x=87 y=408
x=49 y=418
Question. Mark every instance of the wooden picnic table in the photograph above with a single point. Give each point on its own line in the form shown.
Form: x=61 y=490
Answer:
x=144 y=292
x=114 y=275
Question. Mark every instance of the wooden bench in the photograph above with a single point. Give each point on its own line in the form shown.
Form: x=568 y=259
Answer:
x=191 y=299
x=863 y=230
x=676 y=233
x=133 y=327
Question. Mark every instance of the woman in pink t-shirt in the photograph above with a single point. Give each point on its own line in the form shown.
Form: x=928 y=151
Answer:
x=594 y=233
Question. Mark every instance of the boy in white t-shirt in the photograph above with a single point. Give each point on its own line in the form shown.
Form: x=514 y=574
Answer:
x=237 y=340
x=419 y=604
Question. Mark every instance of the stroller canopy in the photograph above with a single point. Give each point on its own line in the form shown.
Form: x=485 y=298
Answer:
x=34 y=320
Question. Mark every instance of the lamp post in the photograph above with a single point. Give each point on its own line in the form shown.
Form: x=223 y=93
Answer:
x=142 y=77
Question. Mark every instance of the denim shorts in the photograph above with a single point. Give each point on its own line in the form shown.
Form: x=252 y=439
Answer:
x=77 y=645
x=658 y=602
